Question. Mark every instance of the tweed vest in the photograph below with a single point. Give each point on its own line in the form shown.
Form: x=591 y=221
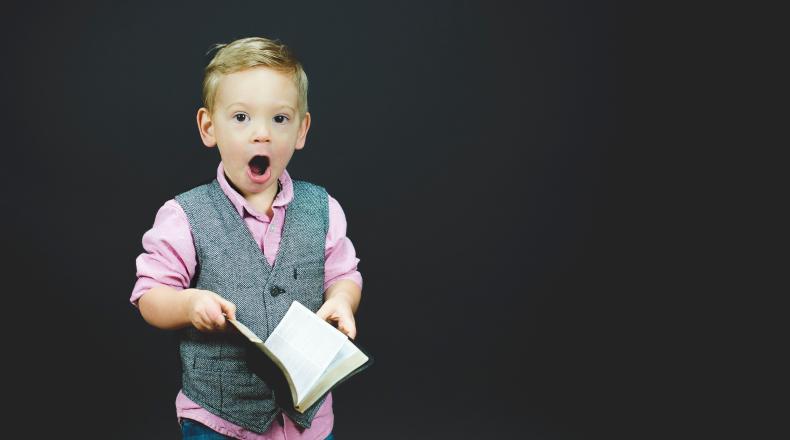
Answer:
x=216 y=373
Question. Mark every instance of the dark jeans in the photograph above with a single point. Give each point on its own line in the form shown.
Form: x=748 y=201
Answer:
x=193 y=430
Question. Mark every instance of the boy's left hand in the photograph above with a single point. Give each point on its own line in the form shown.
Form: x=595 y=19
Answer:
x=337 y=311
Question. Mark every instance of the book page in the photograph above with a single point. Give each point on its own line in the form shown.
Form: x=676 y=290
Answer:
x=244 y=330
x=348 y=350
x=305 y=345
x=347 y=360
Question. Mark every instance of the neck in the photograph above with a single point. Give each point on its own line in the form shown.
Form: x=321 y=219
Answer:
x=262 y=202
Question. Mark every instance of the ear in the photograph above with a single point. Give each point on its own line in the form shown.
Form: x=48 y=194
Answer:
x=303 y=128
x=206 y=127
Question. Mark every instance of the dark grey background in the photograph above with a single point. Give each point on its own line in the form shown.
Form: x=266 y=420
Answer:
x=501 y=168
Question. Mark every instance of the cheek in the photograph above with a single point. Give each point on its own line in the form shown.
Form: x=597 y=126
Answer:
x=230 y=153
x=285 y=152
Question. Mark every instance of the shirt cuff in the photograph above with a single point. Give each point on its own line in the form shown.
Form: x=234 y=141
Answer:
x=353 y=276
x=143 y=285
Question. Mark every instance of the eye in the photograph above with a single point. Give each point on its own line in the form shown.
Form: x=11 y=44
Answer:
x=280 y=119
x=240 y=117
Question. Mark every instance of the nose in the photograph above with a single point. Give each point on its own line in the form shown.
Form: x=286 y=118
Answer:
x=260 y=133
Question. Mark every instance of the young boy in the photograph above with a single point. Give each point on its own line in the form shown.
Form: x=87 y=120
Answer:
x=245 y=246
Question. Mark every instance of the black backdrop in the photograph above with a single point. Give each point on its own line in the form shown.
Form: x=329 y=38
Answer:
x=489 y=162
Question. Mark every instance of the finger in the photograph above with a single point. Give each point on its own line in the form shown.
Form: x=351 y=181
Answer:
x=212 y=315
x=203 y=323
x=201 y=318
x=214 y=312
x=211 y=319
x=348 y=327
x=220 y=322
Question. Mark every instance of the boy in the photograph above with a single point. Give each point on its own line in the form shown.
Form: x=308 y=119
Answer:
x=245 y=246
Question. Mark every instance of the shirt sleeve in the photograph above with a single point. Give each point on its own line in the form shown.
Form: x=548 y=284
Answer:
x=340 y=261
x=169 y=258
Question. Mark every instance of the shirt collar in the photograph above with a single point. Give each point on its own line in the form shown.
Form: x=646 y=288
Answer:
x=283 y=197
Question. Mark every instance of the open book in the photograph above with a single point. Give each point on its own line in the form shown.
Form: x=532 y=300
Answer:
x=313 y=355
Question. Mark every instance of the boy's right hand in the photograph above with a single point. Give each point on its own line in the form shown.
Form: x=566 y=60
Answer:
x=205 y=310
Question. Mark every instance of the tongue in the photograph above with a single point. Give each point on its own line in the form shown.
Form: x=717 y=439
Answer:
x=258 y=165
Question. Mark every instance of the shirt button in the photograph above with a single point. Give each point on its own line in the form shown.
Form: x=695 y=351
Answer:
x=276 y=290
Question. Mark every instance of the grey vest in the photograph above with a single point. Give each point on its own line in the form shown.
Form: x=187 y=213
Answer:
x=230 y=263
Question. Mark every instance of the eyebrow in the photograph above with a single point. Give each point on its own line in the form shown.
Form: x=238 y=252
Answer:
x=244 y=104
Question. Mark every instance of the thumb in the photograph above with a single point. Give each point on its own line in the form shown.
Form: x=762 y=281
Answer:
x=228 y=308
x=347 y=326
x=323 y=312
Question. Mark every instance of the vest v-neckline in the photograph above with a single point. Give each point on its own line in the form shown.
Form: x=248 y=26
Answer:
x=239 y=222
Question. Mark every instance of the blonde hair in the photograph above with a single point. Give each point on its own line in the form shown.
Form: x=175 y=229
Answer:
x=247 y=53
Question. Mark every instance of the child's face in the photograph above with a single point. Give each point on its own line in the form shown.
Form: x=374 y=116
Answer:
x=256 y=126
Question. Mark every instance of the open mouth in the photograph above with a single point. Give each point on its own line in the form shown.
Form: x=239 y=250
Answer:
x=259 y=164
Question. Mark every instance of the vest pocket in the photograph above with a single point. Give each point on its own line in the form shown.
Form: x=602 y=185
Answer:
x=243 y=386
x=308 y=284
x=219 y=365
x=308 y=270
x=232 y=375
x=205 y=385
x=246 y=396
x=229 y=386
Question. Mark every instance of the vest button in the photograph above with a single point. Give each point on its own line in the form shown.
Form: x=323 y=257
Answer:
x=276 y=290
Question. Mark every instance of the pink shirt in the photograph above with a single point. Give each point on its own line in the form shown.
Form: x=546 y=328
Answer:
x=170 y=259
